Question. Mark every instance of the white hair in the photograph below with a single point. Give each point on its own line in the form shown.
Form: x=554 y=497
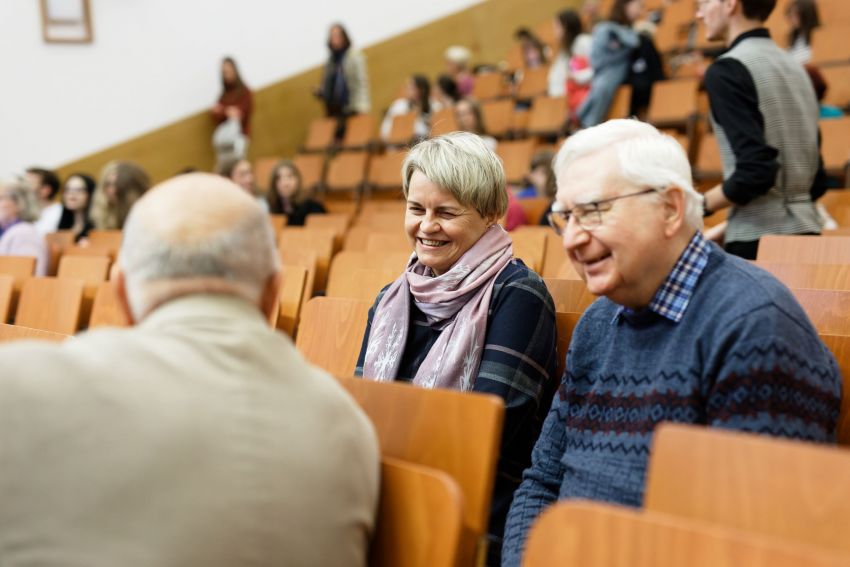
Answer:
x=645 y=157
x=24 y=197
x=241 y=256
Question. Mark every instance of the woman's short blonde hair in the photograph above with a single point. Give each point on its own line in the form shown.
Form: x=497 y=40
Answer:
x=462 y=164
x=24 y=197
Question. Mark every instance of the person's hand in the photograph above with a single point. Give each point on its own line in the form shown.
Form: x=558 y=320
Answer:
x=83 y=243
x=716 y=233
x=233 y=113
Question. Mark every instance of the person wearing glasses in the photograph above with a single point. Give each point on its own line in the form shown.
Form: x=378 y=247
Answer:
x=465 y=314
x=683 y=332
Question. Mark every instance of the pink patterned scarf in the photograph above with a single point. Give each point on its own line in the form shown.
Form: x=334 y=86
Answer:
x=455 y=302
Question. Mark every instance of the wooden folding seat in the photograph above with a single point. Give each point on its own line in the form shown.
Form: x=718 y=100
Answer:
x=105 y=311
x=674 y=103
x=57 y=242
x=347 y=172
x=830 y=45
x=388 y=220
x=330 y=333
x=513 y=58
x=839 y=345
x=359 y=132
x=373 y=207
x=20 y=268
x=456 y=432
x=792 y=490
x=7 y=283
x=547 y=34
x=347 y=262
x=106 y=239
x=835 y=143
x=834 y=12
x=488 y=86
x=547 y=115
x=534 y=207
x=443 y=121
x=571 y=298
x=838 y=80
x=357 y=237
x=420 y=517
x=320 y=135
x=362 y=283
x=401 y=132
x=312 y=170
x=278 y=222
x=516 y=158
x=345 y=207
x=290 y=298
x=828 y=309
x=385 y=171
x=530 y=247
x=534 y=83
x=263 y=169
x=321 y=241
x=709 y=167
x=336 y=222
x=99 y=251
x=554 y=256
x=307 y=259
x=810 y=276
x=841 y=215
x=777 y=25
x=51 y=304
x=497 y=116
x=594 y=534
x=92 y=271
x=835 y=198
x=622 y=103
x=388 y=242
x=804 y=249
x=18 y=333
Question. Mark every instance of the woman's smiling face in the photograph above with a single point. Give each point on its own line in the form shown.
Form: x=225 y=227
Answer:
x=439 y=228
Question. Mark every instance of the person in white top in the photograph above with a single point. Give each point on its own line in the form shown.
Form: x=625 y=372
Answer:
x=417 y=98
x=803 y=18
x=18 y=235
x=574 y=44
x=45 y=184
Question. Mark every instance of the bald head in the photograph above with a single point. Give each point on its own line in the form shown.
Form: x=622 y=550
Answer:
x=196 y=233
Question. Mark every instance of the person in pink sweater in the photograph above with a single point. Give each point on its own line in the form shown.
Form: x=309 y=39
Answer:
x=18 y=234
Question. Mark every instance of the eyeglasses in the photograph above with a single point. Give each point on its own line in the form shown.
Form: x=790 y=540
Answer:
x=588 y=215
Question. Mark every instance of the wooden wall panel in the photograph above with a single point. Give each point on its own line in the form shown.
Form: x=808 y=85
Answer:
x=282 y=111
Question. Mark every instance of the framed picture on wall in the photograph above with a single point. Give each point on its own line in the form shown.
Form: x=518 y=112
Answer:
x=66 y=21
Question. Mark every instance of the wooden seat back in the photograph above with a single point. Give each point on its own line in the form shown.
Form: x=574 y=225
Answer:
x=455 y=432
x=320 y=134
x=51 y=304
x=57 y=242
x=105 y=311
x=709 y=165
x=263 y=170
x=357 y=237
x=92 y=270
x=497 y=116
x=534 y=83
x=362 y=283
x=674 y=102
x=307 y=259
x=838 y=79
x=804 y=249
x=7 y=283
x=401 y=132
x=443 y=121
x=622 y=102
x=828 y=309
x=290 y=298
x=835 y=142
x=530 y=247
x=516 y=158
x=108 y=239
x=419 y=517
x=321 y=241
x=359 y=131
x=830 y=45
x=488 y=86
x=338 y=223
x=347 y=171
x=312 y=170
x=810 y=276
x=394 y=242
x=597 y=535
x=791 y=490
x=18 y=333
x=547 y=115
x=348 y=261
x=839 y=345
x=330 y=333
x=385 y=170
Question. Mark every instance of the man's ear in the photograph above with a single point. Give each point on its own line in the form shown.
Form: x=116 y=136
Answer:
x=121 y=293
x=269 y=297
x=675 y=203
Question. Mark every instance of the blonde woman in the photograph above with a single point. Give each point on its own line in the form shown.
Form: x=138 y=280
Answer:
x=121 y=185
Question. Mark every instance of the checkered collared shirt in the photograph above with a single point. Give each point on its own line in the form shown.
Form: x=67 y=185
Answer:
x=672 y=298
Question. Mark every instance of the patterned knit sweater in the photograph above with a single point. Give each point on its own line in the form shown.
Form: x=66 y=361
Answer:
x=744 y=356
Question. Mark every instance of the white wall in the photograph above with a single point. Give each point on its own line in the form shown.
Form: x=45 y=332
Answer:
x=155 y=61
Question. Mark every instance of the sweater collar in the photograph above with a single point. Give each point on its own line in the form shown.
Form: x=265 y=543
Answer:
x=758 y=32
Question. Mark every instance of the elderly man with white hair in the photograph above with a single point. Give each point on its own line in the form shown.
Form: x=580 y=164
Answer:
x=197 y=437
x=684 y=332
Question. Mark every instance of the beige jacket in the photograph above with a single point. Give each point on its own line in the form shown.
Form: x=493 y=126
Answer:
x=199 y=438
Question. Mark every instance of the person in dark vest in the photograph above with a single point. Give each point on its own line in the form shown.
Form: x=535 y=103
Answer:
x=765 y=115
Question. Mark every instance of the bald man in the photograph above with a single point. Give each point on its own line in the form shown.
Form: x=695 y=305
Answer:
x=197 y=437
